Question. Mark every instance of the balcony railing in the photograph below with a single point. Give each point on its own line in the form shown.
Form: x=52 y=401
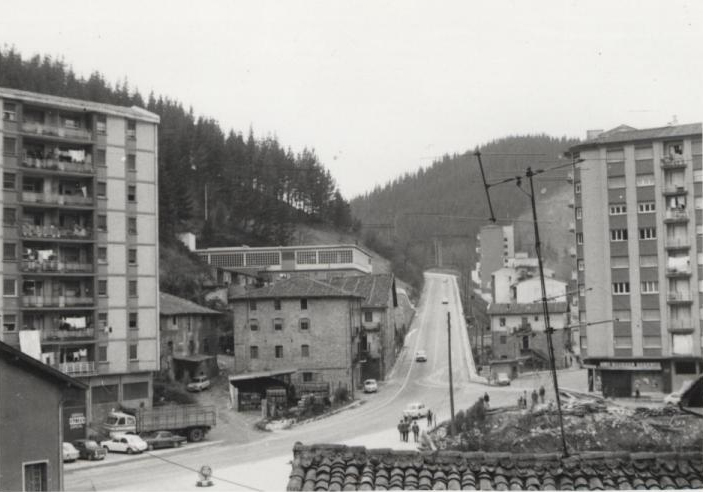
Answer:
x=678 y=271
x=677 y=243
x=681 y=325
x=57 y=165
x=58 y=335
x=679 y=297
x=674 y=189
x=675 y=215
x=55 y=266
x=58 y=301
x=77 y=368
x=55 y=198
x=670 y=162
x=57 y=131
x=55 y=231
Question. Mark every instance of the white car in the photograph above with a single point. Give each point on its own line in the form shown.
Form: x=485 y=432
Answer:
x=125 y=443
x=415 y=410
x=70 y=453
x=503 y=379
x=421 y=356
x=370 y=386
x=198 y=383
x=672 y=399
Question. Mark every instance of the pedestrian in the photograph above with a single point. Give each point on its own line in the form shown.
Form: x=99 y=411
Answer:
x=486 y=399
x=400 y=428
x=541 y=393
x=535 y=398
x=406 y=431
x=434 y=420
x=524 y=399
x=637 y=389
x=416 y=430
x=429 y=418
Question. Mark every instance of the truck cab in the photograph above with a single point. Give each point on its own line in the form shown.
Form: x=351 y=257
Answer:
x=117 y=422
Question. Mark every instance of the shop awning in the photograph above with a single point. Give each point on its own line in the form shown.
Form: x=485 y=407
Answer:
x=262 y=374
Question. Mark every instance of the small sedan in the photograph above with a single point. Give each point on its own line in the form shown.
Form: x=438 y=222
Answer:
x=198 y=383
x=370 y=386
x=673 y=399
x=415 y=410
x=162 y=439
x=421 y=356
x=70 y=453
x=503 y=379
x=89 y=449
x=125 y=443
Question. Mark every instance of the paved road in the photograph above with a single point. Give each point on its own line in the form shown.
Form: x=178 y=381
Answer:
x=410 y=381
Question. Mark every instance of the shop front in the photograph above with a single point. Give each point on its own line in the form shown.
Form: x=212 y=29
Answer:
x=623 y=378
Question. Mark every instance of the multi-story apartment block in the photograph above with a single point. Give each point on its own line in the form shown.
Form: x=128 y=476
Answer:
x=494 y=245
x=639 y=248
x=80 y=244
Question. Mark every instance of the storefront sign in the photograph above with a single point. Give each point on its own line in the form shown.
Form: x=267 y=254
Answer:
x=76 y=420
x=630 y=366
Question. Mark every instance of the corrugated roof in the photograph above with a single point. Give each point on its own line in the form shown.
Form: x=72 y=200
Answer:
x=133 y=112
x=624 y=133
x=17 y=357
x=375 y=289
x=531 y=308
x=295 y=287
x=171 y=305
x=339 y=467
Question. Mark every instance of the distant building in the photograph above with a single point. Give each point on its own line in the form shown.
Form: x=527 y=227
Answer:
x=190 y=338
x=494 y=245
x=40 y=408
x=639 y=229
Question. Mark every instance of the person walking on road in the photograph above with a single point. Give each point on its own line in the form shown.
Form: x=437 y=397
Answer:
x=429 y=418
x=541 y=393
x=486 y=399
x=535 y=398
x=400 y=428
x=406 y=431
x=416 y=430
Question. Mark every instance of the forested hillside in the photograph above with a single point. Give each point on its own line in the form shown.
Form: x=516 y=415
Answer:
x=446 y=202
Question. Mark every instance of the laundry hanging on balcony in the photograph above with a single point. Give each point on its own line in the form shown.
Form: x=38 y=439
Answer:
x=73 y=323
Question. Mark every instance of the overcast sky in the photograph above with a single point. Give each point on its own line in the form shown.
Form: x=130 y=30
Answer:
x=381 y=88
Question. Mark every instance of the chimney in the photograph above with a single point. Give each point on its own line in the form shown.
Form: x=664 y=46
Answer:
x=591 y=134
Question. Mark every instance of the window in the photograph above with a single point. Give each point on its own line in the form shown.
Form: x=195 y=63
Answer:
x=650 y=315
x=622 y=342
x=254 y=325
x=9 y=216
x=35 y=476
x=501 y=321
x=9 y=252
x=132 y=225
x=133 y=321
x=307 y=377
x=648 y=232
x=368 y=316
x=615 y=182
x=621 y=315
x=102 y=353
x=304 y=324
x=618 y=234
x=579 y=238
x=9 y=111
x=278 y=324
x=620 y=288
x=646 y=207
x=503 y=339
x=649 y=261
x=131 y=162
x=132 y=288
x=9 y=145
x=645 y=180
x=132 y=256
x=619 y=262
x=101 y=124
x=8 y=181
x=682 y=344
x=305 y=350
x=102 y=189
x=132 y=193
x=9 y=322
x=102 y=320
x=277 y=304
x=303 y=304
x=131 y=130
x=651 y=342
x=102 y=223
x=279 y=351
x=650 y=287
x=101 y=157
x=9 y=287
x=253 y=352
x=133 y=351
x=102 y=287
x=577 y=187
x=685 y=367
x=102 y=254
x=252 y=305
x=579 y=265
x=618 y=209
x=306 y=257
x=135 y=391
x=582 y=290
x=614 y=155
x=579 y=213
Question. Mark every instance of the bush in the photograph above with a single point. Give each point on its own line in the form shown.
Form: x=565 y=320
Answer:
x=166 y=392
x=341 y=394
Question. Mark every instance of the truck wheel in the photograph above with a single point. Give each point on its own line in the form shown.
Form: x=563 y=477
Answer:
x=196 y=434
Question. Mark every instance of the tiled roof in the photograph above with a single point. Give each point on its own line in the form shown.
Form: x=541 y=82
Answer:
x=338 y=467
x=170 y=305
x=531 y=308
x=295 y=287
x=628 y=134
x=375 y=289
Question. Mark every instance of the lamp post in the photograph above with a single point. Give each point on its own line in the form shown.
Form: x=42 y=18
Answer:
x=449 y=357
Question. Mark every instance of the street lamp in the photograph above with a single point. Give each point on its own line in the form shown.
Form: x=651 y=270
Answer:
x=449 y=356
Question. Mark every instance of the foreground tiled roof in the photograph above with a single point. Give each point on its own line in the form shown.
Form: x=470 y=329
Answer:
x=337 y=467
x=295 y=287
x=375 y=289
x=629 y=134
x=531 y=308
x=170 y=305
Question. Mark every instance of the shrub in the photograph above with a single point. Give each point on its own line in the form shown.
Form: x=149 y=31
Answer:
x=341 y=394
x=167 y=392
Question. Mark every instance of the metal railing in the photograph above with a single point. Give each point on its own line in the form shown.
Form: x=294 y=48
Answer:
x=678 y=296
x=58 y=301
x=673 y=162
x=57 y=165
x=56 y=334
x=675 y=214
x=86 y=368
x=55 y=198
x=677 y=243
x=674 y=189
x=57 y=131
x=56 y=266
x=56 y=231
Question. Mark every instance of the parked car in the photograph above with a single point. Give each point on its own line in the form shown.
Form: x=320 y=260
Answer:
x=70 y=453
x=199 y=383
x=503 y=379
x=370 y=386
x=89 y=449
x=675 y=397
x=421 y=356
x=415 y=410
x=125 y=443
x=162 y=439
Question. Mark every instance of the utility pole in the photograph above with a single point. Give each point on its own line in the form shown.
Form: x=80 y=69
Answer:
x=451 y=380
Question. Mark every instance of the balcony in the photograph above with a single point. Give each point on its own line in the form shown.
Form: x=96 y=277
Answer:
x=681 y=325
x=570 y=203
x=57 y=131
x=673 y=162
x=54 y=231
x=55 y=266
x=58 y=301
x=676 y=272
x=572 y=227
x=679 y=298
x=56 y=199
x=675 y=215
x=572 y=251
x=674 y=189
x=77 y=368
x=72 y=335
x=57 y=165
x=677 y=243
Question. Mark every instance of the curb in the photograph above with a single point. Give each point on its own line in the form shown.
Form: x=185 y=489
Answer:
x=354 y=404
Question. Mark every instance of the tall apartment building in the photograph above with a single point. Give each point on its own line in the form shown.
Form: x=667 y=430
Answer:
x=639 y=236
x=494 y=245
x=80 y=243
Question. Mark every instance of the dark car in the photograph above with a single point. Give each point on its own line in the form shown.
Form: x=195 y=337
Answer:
x=89 y=449
x=162 y=439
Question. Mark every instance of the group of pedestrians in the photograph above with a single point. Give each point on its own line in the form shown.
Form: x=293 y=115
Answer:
x=404 y=427
x=535 y=398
